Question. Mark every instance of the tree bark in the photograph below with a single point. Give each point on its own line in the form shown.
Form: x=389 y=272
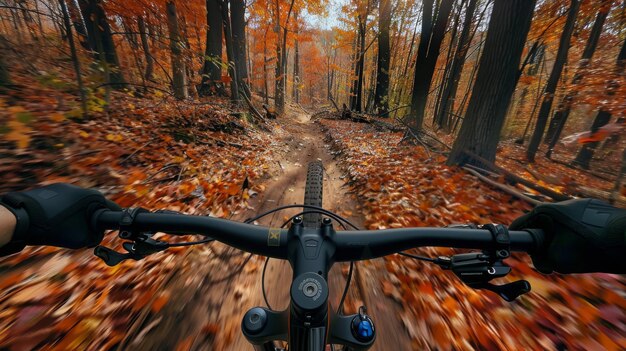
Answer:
x=101 y=40
x=5 y=78
x=238 y=28
x=584 y=156
x=553 y=80
x=143 y=34
x=230 y=54
x=79 y=23
x=278 y=93
x=281 y=54
x=355 y=61
x=453 y=39
x=563 y=110
x=427 y=54
x=75 y=61
x=179 y=83
x=265 y=61
x=495 y=81
x=381 y=95
x=296 y=64
x=444 y=120
x=404 y=85
x=360 y=65
x=212 y=67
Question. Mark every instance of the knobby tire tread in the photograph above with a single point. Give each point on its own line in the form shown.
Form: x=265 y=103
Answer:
x=313 y=190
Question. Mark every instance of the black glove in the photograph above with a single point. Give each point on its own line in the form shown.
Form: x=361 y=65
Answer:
x=55 y=215
x=581 y=236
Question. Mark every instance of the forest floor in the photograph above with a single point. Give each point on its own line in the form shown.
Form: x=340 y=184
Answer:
x=203 y=159
x=301 y=141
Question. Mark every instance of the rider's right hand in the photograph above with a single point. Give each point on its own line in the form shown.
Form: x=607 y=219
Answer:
x=581 y=236
x=55 y=215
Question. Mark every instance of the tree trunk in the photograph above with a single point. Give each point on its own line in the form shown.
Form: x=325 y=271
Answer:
x=230 y=54
x=212 y=67
x=281 y=54
x=296 y=64
x=584 y=156
x=265 y=61
x=360 y=65
x=553 y=80
x=143 y=33
x=456 y=68
x=495 y=81
x=355 y=61
x=76 y=14
x=381 y=96
x=101 y=40
x=238 y=28
x=179 y=83
x=427 y=54
x=75 y=61
x=5 y=78
x=563 y=110
x=404 y=85
x=446 y=68
x=278 y=94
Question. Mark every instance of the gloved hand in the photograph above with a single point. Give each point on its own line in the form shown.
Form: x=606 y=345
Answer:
x=55 y=215
x=581 y=236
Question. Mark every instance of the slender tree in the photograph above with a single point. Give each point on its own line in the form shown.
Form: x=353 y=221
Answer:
x=238 y=28
x=5 y=78
x=296 y=63
x=230 y=53
x=381 y=96
x=212 y=67
x=451 y=84
x=179 y=82
x=563 y=110
x=145 y=45
x=75 y=61
x=100 y=40
x=427 y=54
x=495 y=81
x=553 y=81
x=360 y=63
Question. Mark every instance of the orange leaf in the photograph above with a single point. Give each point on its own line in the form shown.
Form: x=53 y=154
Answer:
x=160 y=302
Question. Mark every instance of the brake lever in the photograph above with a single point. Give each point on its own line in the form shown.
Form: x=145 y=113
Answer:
x=141 y=247
x=476 y=269
x=509 y=292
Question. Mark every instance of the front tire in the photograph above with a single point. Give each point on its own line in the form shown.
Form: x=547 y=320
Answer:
x=313 y=193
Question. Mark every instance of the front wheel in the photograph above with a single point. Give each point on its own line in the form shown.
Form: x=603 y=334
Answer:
x=313 y=193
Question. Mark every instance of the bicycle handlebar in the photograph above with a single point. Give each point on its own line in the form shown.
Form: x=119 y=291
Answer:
x=307 y=324
x=349 y=245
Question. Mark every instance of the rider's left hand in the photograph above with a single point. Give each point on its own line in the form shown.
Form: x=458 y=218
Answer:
x=55 y=215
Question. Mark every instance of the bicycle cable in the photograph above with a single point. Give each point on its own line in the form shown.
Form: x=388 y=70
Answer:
x=316 y=209
x=421 y=258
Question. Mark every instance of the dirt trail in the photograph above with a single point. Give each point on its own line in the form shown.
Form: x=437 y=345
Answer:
x=208 y=293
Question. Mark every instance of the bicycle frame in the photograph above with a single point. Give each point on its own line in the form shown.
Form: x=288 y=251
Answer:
x=309 y=319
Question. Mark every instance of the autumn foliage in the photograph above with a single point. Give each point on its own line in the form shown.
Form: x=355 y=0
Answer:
x=133 y=98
